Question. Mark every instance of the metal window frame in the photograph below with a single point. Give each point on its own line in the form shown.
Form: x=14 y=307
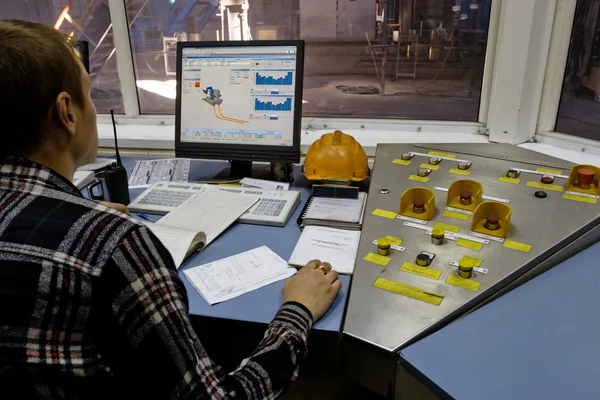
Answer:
x=498 y=74
x=553 y=84
x=125 y=67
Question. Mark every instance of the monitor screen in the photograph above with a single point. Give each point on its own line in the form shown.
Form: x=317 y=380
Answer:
x=242 y=94
x=81 y=50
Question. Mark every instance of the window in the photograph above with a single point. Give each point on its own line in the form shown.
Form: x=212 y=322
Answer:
x=420 y=59
x=579 y=110
x=87 y=20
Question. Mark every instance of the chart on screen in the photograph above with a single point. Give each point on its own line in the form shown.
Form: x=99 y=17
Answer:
x=238 y=95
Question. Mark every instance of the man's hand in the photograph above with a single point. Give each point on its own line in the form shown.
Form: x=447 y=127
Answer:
x=116 y=206
x=314 y=286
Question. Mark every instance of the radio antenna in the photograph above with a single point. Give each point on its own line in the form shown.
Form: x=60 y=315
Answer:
x=112 y=116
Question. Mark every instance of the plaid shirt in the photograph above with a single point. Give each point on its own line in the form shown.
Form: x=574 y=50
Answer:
x=91 y=306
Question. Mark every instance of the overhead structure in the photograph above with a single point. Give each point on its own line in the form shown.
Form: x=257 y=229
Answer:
x=465 y=223
x=235 y=13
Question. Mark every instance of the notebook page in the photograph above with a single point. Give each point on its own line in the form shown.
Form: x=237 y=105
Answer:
x=335 y=209
x=335 y=246
x=178 y=241
x=233 y=276
x=211 y=211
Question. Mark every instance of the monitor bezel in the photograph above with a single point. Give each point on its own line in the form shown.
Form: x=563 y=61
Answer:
x=84 y=49
x=242 y=152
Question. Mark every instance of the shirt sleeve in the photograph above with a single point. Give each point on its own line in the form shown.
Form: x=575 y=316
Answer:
x=152 y=350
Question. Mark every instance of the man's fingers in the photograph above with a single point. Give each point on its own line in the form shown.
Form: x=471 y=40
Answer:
x=326 y=266
x=314 y=264
x=336 y=286
x=331 y=277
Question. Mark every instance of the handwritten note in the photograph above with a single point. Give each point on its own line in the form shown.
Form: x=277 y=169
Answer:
x=233 y=276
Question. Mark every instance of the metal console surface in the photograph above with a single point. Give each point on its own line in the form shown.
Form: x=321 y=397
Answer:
x=388 y=320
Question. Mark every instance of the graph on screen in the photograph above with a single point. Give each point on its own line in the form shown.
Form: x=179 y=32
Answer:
x=238 y=96
x=281 y=104
x=274 y=78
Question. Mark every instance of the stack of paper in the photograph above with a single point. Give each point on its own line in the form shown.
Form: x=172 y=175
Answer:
x=233 y=276
x=335 y=246
x=336 y=212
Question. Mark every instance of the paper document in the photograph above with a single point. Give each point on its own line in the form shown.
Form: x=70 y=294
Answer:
x=336 y=209
x=180 y=242
x=264 y=184
x=211 y=211
x=146 y=173
x=233 y=276
x=335 y=246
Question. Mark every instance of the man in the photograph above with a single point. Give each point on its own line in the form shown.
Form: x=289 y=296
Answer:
x=90 y=302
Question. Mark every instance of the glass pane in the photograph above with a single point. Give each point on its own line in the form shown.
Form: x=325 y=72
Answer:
x=87 y=20
x=433 y=51
x=579 y=110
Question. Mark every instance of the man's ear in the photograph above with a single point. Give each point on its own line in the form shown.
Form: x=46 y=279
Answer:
x=64 y=113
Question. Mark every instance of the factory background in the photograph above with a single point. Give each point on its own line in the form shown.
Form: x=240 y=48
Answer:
x=365 y=59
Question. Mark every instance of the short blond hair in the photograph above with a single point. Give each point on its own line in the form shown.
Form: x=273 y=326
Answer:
x=37 y=63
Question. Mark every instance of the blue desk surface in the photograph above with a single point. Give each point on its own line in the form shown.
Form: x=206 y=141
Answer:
x=539 y=341
x=262 y=304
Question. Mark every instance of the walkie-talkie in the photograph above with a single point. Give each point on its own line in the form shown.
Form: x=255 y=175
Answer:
x=116 y=176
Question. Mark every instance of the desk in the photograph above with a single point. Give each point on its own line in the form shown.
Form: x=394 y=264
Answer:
x=539 y=341
x=262 y=304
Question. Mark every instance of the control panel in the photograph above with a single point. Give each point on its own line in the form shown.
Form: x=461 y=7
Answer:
x=448 y=226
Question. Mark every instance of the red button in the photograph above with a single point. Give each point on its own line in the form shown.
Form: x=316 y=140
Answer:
x=493 y=219
x=418 y=204
x=585 y=176
x=465 y=195
x=547 y=179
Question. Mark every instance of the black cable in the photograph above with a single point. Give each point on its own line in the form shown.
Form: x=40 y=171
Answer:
x=149 y=67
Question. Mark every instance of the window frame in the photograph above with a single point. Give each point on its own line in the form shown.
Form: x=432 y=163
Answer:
x=553 y=85
x=492 y=105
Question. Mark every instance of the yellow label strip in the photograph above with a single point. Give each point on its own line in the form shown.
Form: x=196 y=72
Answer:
x=401 y=162
x=447 y=227
x=540 y=185
x=476 y=261
x=549 y=171
x=469 y=244
x=438 y=154
x=506 y=179
x=463 y=283
x=417 y=178
x=509 y=244
x=394 y=240
x=421 y=271
x=430 y=166
x=456 y=215
x=377 y=259
x=583 y=199
x=384 y=214
x=408 y=291
x=462 y=172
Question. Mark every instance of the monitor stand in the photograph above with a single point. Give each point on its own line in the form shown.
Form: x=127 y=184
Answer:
x=244 y=169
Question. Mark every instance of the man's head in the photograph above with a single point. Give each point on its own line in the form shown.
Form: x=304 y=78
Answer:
x=44 y=96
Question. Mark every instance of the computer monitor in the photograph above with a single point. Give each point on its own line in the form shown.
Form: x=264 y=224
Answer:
x=239 y=101
x=82 y=51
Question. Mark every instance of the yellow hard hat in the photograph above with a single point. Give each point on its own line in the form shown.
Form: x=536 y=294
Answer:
x=336 y=156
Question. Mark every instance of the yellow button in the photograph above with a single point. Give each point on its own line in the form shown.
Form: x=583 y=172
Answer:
x=465 y=263
x=384 y=242
x=437 y=233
